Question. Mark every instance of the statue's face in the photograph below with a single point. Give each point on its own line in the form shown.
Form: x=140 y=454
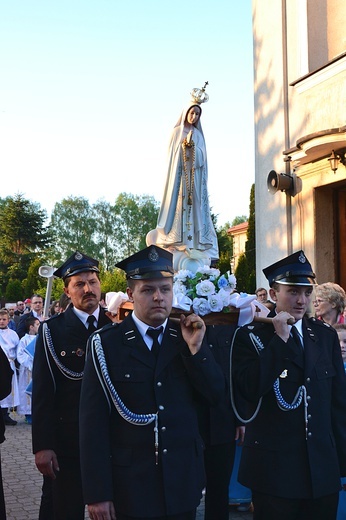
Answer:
x=193 y=115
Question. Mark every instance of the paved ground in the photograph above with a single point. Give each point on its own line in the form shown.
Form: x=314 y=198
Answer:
x=22 y=481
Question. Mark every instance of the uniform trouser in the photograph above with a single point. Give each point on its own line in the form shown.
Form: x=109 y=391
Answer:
x=268 y=507
x=67 y=493
x=46 y=505
x=2 y=498
x=218 y=461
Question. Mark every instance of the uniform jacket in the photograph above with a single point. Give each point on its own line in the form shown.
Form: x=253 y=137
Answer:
x=218 y=423
x=281 y=455
x=6 y=374
x=118 y=458
x=55 y=397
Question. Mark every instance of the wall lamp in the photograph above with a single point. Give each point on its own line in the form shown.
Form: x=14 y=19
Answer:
x=335 y=158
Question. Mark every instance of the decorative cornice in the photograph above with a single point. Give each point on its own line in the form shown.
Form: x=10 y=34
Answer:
x=316 y=146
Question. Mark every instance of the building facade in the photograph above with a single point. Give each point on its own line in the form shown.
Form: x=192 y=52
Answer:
x=300 y=124
x=239 y=238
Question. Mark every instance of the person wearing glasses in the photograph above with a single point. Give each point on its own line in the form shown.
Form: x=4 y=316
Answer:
x=329 y=302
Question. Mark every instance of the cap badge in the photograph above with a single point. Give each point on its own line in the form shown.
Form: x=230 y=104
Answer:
x=302 y=258
x=78 y=256
x=153 y=255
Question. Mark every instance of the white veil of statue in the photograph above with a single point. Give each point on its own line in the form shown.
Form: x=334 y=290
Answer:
x=184 y=223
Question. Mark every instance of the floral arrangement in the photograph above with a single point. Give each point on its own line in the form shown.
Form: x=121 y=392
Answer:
x=205 y=291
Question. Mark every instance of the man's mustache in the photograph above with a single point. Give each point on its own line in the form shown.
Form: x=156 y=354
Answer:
x=89 y=294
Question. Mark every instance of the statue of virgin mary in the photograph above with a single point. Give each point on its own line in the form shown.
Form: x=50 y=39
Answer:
x=184 y=224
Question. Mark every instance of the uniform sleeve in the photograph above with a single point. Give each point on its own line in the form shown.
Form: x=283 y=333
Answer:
x=21 y=325
x=43 y=394
x=5 y=375
x=339 y=405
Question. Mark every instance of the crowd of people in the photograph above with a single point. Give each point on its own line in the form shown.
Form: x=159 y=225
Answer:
x=86 y=381
x=19 y=324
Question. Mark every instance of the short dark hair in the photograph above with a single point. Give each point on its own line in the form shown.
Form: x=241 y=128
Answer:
x=29 y=322
x=37 y=296
x=131 y=282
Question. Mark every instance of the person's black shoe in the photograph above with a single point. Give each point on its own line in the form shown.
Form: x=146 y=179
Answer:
x=9 y=421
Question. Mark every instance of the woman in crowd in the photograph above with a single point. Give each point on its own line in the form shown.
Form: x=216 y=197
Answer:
x=54 y=308
x=330 y=300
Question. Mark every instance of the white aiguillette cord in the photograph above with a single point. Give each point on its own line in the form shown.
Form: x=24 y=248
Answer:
x=125 y=413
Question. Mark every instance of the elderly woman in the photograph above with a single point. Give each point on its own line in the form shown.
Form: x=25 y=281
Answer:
x=330 y=301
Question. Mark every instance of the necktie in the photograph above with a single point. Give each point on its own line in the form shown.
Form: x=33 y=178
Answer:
x=91 y=327
x=296 y=336
x=155 y=333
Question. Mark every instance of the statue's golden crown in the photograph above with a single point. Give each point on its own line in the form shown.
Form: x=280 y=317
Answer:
x=199 y=95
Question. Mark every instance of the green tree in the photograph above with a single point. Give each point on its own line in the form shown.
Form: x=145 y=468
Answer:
x=241 y=274
x=23 y=235
x=104 y=221
x=240 y=219
x=250 y=245
x=34 y=283
x=148 y=213
x=113 y=281
x=246 y=268
x=57 y=289
x=225 y=244
x=74 y=229
x=135 y=216
x=14 y=291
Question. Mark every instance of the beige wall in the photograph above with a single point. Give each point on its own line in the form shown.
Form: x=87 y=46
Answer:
x=309 y=114
x=239 y=237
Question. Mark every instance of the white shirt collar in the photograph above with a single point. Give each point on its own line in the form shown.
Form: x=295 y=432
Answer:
x=83 y=316
x=143 y=327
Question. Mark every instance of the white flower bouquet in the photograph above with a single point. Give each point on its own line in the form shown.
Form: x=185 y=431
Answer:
x=205 y=291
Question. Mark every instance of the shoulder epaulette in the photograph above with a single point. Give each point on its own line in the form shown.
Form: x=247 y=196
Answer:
x=107 y=327
x=321 y=323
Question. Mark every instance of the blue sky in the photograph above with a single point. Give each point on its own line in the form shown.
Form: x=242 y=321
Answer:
x=90 y=92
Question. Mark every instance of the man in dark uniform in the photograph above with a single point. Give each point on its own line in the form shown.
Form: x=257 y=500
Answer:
x=141 y=451
x=220 y=430
x=295 y=447
x=57 y=377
